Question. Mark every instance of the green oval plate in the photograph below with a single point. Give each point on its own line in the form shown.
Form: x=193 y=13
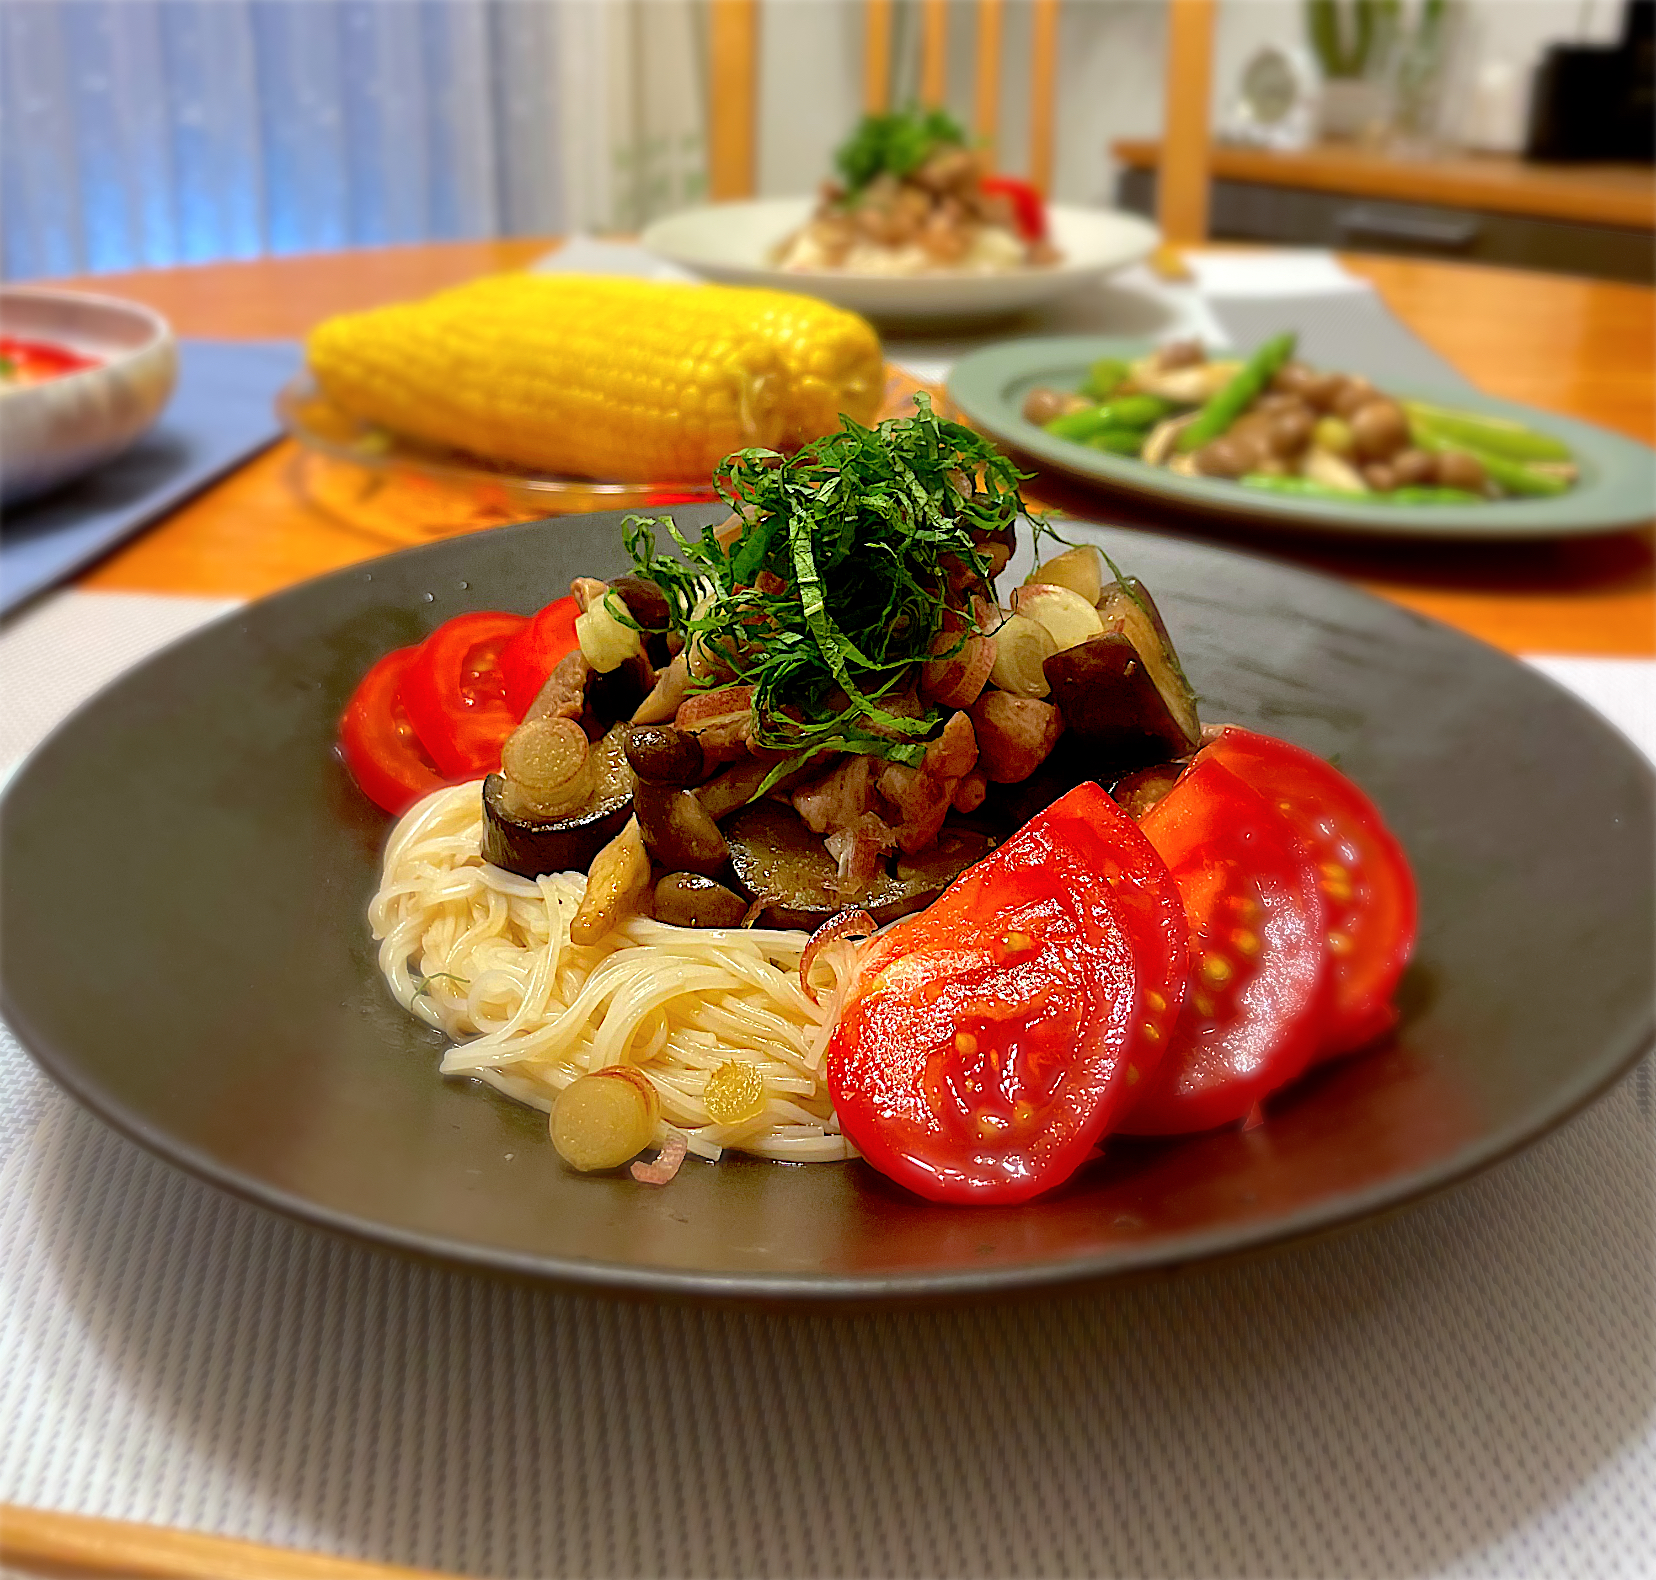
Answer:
x=1617 y=488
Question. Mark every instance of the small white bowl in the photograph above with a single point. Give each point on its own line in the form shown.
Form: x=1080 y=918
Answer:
x=734 y=242
x=56 y=430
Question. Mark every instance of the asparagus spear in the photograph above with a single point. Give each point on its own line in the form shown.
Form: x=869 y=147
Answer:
x=1140 y=412
x=1248 y=382
x=1496 y=435
x=1105 y=377
x=1513 y=476
x=1309 y=488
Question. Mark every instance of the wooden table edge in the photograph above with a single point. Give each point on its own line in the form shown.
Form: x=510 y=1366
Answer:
x=57 y=1542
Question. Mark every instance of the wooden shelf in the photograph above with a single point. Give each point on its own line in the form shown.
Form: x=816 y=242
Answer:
x=1623 y=195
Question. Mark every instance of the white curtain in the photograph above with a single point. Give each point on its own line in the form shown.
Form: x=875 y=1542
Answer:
x=632 y=96
x=138 y=132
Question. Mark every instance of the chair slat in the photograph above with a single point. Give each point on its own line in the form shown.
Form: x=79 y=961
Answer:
x=986 y=97
x=877 y=57
x=1043 y=92
x=934 y=52
x=733 y=37
x=1182 y=183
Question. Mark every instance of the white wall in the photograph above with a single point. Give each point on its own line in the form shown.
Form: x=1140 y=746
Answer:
x=810 y=71
x=1110 y=73
x=1515 y=33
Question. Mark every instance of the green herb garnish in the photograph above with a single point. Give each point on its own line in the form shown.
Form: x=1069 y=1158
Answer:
x=836 y=589
x=898 y=143
x=426 y=979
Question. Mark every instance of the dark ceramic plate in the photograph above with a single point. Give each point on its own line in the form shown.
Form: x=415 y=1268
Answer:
x=1617 y=487
x=187 y=868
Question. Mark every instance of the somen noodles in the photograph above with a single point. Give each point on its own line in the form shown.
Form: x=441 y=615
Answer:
x=485 y=957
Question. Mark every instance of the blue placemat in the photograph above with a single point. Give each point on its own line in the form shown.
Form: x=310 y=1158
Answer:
x=1347 y=330
x=222 y=411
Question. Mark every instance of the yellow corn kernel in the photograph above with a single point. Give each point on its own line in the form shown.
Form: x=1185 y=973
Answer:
x=594 y=376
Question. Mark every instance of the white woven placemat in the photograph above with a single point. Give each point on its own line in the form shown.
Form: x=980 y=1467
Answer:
x=1466 y=1389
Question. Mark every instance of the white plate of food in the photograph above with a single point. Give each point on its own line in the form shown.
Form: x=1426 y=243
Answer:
x=913 y=226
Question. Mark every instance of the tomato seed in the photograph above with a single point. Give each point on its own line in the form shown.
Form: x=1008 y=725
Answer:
x=990 y=1125
x=1014 y=944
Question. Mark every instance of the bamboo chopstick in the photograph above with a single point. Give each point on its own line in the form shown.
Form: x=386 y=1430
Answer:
x=84 y=1547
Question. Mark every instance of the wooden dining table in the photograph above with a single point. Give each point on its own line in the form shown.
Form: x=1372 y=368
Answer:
x=1583 y=347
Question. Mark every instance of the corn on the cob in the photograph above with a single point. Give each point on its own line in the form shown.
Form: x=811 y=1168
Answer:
x=631 y=380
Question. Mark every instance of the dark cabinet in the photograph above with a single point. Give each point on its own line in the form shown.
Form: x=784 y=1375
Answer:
x=1291 y=216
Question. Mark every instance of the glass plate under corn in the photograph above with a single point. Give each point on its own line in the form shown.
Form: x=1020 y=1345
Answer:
x=362 y=474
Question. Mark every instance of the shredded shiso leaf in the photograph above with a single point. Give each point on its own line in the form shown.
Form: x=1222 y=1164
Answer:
x=837 y=586
x=899 y=143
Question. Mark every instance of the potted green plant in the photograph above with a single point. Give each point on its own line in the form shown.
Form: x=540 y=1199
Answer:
x=1353 y=42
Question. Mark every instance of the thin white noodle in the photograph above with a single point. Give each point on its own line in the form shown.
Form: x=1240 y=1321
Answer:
x=486 y=958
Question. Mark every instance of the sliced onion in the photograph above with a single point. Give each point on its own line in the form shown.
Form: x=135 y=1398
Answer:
x=1022 y=647
x=548 y=767
x=606 y=642
x=955 y=681
x=841 y=930
x=665 y=1164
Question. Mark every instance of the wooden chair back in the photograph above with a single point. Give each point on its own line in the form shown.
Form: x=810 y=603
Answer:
x=1183 y=186
x=1182 y=181
x=986 y=80
x=733 y=85
x=733 y=98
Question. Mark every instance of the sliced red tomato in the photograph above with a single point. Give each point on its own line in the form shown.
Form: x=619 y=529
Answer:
x=990 y=1041
x=455 y=694
x=1258 y=955
x=1028 y=211
x=378 y=743
x=1088 y=822
x=529 y=658
x=1367 y=887
x=33 y=361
